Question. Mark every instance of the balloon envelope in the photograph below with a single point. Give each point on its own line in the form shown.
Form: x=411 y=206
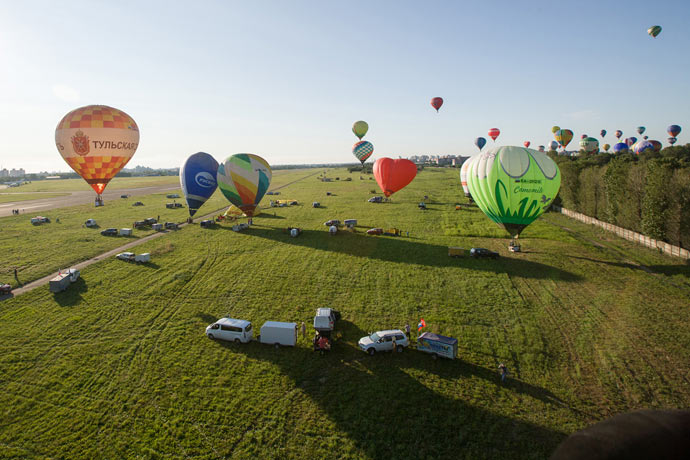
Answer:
x=553 y=145
x=363 y=150
x=480 y=142
x=393 y=175
x=589 y=144
x=602 y=133
x=640 y=130
x=673 y=130
x=630 y=141
x=620 y=147
x=564 y=136
x=526 y=144
x=654 y=31
x=513 y=185
x=542 y=148
x=463 y=176
x=583 y=136
x=656 y=145
x=97 y=141
x=436 y=103
x=198 y=180
x=642 y=146
x=554 y=129
x=494 y=133
x=618 y=133
x=244 y=179
x=672 y=140
x=360 y=128
x=606 y=147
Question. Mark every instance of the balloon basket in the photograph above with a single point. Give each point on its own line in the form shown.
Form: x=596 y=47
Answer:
x=99 y=201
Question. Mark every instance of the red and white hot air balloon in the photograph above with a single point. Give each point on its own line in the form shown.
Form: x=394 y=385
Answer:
x=494 y=133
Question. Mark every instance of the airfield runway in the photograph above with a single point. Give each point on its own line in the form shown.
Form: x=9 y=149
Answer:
x=76 y=198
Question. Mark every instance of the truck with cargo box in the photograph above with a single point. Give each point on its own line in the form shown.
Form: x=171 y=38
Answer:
x=438 y=345
x=63 y=280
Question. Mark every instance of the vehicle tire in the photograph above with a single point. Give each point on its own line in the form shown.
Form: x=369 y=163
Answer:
x=400 y=348
x=371 y=351
x=238 y=341
x=277 y=345
x=210 y=336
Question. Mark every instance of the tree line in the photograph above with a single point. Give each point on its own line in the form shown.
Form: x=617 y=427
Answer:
x=649 y=193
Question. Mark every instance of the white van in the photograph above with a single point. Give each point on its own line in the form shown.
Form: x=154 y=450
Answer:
x=237 y=330
x=277 y=333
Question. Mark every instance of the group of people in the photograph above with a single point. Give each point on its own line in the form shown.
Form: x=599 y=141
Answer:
x=15 y=212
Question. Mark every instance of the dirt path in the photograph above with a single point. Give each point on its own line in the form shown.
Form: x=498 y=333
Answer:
x=43 y=281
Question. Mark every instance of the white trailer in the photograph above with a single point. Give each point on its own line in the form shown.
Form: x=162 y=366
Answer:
x=125 y=232
x=143 y=258
x=277 y=333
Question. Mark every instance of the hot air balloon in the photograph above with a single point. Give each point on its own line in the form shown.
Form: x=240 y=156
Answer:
x=672 y=140
x=640 y=130
x=584 y=136
x=620 y=147
x=463 y=176
x=393 y=175
x=244 y=179
x=494 y=133
x=656 y=145
x=542 y=148
x=360 y=128
x=97 y=141
x=553 y=145
x=673 y=130
x=480 y=142
x=645 y=137
x=630 y=141
x=198 y=180
x=654 y=31
x=554 y=129
x=589 y=145
x=642 y=146
x=618 y=133
x=363 y=150
x=436 y=103
x=564 y=136
x=602 y=133
x=606 y=147
x=526 y=144
x=513 y=185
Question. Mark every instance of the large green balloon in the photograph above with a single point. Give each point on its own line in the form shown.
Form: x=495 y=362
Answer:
x=360 y=128
x=513 y=185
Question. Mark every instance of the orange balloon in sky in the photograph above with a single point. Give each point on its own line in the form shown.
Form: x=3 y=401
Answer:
x=97 y=141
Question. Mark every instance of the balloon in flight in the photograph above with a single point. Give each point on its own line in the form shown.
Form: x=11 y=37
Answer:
x=542 y=148
x=645 y=137
x=618 y=133
x=589 y=145
x=672 y=140
x=554 y=129
x=513 y=185
x=244 y=179
x=393 y=175
x=620 y=147
x=673 y=130
x=436 y=103
x=640 y=130
x=363 y=150
x=480 y=142
x=602 y=133
x=198 y=180
x=606 y=147
x=564 y=136
x=553 y=145
x=583 y=136
x=654 y=31
x=656 y=145
x=494 y=133
x=360 y=128
x=97 y=141
x=526 y=144
x=642 y=146
x=630 y=141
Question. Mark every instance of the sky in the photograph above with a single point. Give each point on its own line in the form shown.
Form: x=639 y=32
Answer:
x=286 y=79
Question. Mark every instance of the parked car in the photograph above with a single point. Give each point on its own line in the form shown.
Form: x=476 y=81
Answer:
x=90 y=223
x=150 y=221
x=350 y=222
x=375 y=231
x=171 y=226
x=109 y=232
x=438 y=345
x=208 y=223
x=375 y=199
x=139 y=224
x=316 y=204
x=332 y=222
x=383 y=341
x=124 y=196
x=173 y=205
x=138 y=203
x=5 y=289
x=277 y=333
x=230 y=329
x=478 y=253
x=126 y=256
x=38 y=220
x=172 y=195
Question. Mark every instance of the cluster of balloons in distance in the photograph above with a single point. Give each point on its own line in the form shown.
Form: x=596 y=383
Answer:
x=493 y=133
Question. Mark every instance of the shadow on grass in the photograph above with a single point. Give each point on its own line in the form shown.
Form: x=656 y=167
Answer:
x=405 y=250
x=206 y=318
x=669 y=270
x=72 y=295
x=389 y=411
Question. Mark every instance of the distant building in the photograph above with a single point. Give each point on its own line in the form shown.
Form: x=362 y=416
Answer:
x=17 y=172
x=4 y=173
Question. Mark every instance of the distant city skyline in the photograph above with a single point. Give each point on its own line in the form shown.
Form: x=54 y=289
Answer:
x=286 y=80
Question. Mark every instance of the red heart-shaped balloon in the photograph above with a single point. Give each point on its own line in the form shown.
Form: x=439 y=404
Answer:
x=393 y=175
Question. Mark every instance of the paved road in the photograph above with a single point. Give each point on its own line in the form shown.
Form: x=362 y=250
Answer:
x=76 y=198
x=43 y=281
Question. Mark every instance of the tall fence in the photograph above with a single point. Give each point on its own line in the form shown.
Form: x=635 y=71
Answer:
x=627 y=234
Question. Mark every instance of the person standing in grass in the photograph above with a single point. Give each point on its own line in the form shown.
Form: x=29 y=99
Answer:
x=395 y=345
x=407 y=330
x=503 y=370
x=303 y=328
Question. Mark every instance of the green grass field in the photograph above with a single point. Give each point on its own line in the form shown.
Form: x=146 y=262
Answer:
x=118 y=367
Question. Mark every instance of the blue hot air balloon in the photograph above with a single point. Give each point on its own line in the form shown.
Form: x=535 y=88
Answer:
x=480 y=142
x=620 y=147
x=673 y=130
x=642 y=147
x=198 y=180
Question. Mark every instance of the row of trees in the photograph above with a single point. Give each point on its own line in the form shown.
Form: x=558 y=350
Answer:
x=649 y=193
